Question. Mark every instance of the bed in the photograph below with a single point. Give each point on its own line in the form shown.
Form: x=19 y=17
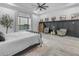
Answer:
x=18 y=41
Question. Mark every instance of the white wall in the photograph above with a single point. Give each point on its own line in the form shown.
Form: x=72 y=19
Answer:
x=14 y=15
x=67 y=11
x=34 y=20
x=10 y=12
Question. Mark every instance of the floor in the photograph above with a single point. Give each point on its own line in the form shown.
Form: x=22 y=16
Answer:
x=55 y=46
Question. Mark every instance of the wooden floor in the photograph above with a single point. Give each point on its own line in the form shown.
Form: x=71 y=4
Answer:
x=55 y=46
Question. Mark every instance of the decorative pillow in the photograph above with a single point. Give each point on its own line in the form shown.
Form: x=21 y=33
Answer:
x=2 y=38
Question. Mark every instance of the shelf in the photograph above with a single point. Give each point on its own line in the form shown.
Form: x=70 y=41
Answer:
x=59 y=21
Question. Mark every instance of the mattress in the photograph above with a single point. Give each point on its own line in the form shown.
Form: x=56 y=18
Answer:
x=18 y=41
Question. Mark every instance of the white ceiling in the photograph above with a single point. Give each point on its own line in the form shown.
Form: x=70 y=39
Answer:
x=29 y=8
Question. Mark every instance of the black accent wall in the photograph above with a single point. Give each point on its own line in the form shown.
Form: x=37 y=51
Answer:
x=71 y=25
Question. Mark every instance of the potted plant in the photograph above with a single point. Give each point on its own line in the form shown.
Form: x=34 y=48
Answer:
x=6 y=22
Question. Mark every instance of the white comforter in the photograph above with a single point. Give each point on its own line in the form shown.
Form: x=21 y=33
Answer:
x=18 y=41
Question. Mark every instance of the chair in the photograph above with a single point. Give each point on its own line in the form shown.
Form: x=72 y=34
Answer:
x=62 y=32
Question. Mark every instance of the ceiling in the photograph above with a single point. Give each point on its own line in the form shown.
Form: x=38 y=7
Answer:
x=29 y=8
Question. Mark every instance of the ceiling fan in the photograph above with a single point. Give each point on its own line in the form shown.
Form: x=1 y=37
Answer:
x=41 y=6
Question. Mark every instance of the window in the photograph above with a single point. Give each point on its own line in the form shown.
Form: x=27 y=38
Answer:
x=24 y=23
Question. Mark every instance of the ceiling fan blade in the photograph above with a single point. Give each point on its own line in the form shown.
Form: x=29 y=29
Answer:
x=43 y=4
x=43 y=8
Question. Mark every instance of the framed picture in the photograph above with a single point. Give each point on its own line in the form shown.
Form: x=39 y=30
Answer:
x=62 y=17
x=53 y=18
x=74 y=17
